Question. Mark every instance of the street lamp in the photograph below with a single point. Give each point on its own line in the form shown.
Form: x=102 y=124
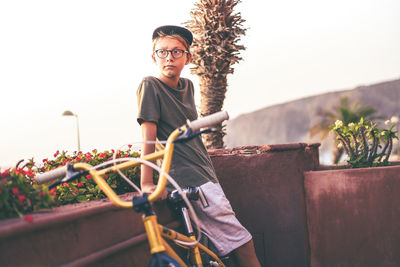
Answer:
x=69 y=113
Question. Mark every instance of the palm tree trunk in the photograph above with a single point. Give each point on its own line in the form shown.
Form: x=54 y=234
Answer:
x=212 y=93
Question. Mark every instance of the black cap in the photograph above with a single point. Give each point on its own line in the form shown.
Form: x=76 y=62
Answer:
x=171 y=29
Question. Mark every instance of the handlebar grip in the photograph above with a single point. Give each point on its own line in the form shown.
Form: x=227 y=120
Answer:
x=208 y=120
x=60 y=172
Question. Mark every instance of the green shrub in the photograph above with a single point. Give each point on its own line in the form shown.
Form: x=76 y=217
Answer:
x=18 y=196
x=84 y=188
x=364 y=143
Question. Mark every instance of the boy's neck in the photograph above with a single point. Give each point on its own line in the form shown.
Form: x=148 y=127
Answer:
x=172 y=82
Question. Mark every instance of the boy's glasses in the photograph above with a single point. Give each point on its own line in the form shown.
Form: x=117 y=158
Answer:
x=176 y=53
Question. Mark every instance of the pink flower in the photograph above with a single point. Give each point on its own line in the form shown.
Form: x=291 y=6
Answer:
x=88 y=177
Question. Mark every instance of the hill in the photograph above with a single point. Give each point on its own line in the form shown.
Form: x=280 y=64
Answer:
x=290 y=122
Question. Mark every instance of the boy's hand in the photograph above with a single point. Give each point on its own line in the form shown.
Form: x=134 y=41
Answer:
x=151 y=188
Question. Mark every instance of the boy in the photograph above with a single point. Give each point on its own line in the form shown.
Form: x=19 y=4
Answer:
x=164 y=104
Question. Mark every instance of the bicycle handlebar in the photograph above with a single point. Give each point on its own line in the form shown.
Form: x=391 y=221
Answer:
x=58 y=173
x=207 y=121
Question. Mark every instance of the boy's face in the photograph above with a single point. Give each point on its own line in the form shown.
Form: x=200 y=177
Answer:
x=170 y=67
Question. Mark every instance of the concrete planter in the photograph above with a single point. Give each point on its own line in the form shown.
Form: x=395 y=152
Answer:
x=95 y=233
x=353 y=216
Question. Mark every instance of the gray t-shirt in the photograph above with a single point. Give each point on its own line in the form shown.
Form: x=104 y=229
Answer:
x=169 y=108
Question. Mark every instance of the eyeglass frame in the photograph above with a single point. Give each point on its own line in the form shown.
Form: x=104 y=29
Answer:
x=171 y=52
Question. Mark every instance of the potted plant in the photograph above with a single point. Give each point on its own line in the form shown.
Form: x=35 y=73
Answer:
x=365 y=144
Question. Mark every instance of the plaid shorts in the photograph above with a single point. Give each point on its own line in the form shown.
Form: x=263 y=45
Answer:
x=218 y=221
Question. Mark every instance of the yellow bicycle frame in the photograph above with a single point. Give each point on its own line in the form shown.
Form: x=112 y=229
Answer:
x=154 y=231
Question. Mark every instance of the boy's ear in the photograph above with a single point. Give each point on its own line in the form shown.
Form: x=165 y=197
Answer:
x=154 y=58
x=188 y=59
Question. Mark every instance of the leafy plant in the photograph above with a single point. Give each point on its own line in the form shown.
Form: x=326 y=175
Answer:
x=347 y=113
x=18 y=196
x=364 y=143
x=85 y=189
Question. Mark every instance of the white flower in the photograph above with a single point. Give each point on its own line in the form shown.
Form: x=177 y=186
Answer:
x=338 y=124
x=394 y=119
x=351 y=124
x=387 y=122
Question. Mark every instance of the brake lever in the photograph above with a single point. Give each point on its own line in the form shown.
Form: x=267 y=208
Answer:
x=71 y=175
x=188 y=134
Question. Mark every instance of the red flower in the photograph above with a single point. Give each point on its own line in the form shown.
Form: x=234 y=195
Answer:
x=5 y=174
x=129 y=146
x=21 y=199
x=88 y=177
x=15 y=191
x=45 y=160
x=81 y=185
x=29 y=218
x=65 y=185
x=53 y=191
x=57 y=152
x=28 y=173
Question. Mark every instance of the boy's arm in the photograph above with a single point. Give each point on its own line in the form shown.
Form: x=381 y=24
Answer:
x=149 y=133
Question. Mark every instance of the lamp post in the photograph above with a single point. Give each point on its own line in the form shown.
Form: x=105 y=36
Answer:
x=69 y=113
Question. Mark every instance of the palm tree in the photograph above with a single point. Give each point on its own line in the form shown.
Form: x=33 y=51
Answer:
x=216 y=31
x=346 y=114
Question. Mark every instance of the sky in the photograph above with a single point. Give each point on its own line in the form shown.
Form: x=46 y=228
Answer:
x=89 y=56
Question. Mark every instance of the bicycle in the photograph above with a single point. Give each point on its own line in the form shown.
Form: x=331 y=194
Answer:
x=162 y=253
